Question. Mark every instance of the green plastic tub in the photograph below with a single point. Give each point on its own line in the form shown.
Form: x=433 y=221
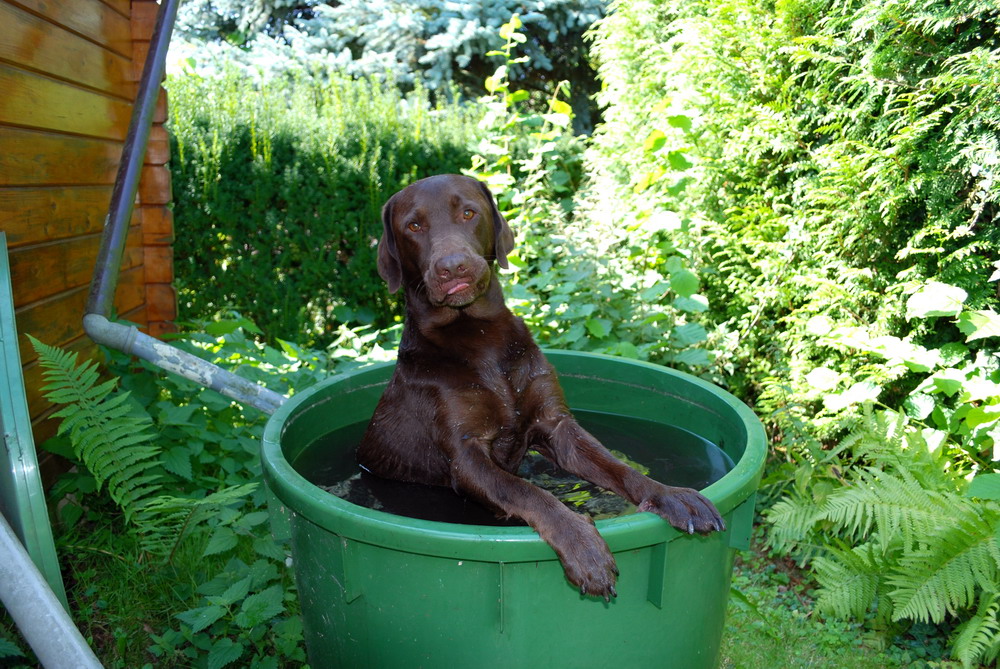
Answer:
x=380 y=590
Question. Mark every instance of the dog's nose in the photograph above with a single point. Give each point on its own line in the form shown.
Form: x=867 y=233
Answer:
x=451 y=265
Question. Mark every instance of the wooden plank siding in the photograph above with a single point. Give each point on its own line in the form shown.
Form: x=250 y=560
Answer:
x=69 y=71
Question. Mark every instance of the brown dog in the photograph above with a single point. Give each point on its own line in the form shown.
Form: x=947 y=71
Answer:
x=472 y=392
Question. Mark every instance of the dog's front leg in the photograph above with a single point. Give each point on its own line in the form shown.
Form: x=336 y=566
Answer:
x=561 y=439
x=585 y=556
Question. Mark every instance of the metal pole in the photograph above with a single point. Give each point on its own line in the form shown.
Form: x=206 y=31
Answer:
x=129 y=340
x=109 y=258
x=36 y=610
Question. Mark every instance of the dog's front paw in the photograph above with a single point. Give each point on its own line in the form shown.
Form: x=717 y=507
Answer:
x=586 y=558
x=685 y=509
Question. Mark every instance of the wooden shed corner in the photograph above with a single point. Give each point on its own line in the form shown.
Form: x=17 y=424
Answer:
x=69 y=72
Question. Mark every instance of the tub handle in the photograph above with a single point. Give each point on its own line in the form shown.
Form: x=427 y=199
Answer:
x=739 y=524
x=657 y=574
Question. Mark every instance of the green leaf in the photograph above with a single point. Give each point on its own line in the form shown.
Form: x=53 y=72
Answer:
x=222 y=328
x=223 y=539
x=823 y=378
x=949 y=381
x=935 y=299
x=625 y=349
x=224 y=651
x=598 y=327
x=234 y=593
x=979 y=324
x=919 y=406
x=684 y=282
x=688 y=334
x=574 y=334
x=8 y=649
x=268 y=547
x=679 y=161
x=863 y=391
x=654 y=292
x=200 y=618
x=654 y=142
x=680 y=121
x=695 y=357
x=985 y=486
x=261 y=607
x=178 y=461
x=982 y=415
x=172 y=414
x=694 y=304
x=560 y=107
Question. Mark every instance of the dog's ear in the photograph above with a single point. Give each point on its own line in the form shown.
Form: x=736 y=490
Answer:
x=388 y=258
x=503 y=238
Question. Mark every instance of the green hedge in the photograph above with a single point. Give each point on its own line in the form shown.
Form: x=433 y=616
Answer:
x=278 y=188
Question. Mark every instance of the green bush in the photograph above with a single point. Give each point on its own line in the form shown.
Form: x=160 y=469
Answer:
x=832 y=167
x=278 y=187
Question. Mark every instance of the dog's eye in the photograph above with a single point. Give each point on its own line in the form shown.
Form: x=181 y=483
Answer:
x=413 y=226
x=468 y=214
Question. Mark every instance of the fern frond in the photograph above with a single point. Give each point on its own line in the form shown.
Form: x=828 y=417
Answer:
x=182 y=515
x=114 y=444
x=849 y=581
x=895 y=508
x=977 y=640
x=944 y=575
x=792 y=521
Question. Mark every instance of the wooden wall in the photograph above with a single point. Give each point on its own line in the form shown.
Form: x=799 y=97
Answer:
x=69 y=71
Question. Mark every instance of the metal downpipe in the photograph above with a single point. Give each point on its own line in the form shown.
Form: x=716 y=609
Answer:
x=102 y=288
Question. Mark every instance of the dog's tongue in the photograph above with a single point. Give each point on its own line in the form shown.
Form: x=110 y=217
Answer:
x=457 y=287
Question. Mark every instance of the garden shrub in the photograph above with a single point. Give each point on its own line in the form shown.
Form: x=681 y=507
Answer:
x=835 y=166
x=580 y=283
x=278 y=187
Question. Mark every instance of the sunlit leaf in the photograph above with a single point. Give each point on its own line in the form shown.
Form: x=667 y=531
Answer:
x=979 y=324
x=684 y=282
x=985 y=486
x=654 y=142
x=680 y=121
x=935 y=299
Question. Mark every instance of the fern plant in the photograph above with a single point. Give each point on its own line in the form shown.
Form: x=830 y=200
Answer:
x=900 y=539
x=115 y=442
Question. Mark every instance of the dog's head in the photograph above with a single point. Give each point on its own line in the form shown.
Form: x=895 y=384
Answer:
x=444 y=232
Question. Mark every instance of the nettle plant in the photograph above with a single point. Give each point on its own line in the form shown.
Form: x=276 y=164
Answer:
x=579 y=281
x=901 y=518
